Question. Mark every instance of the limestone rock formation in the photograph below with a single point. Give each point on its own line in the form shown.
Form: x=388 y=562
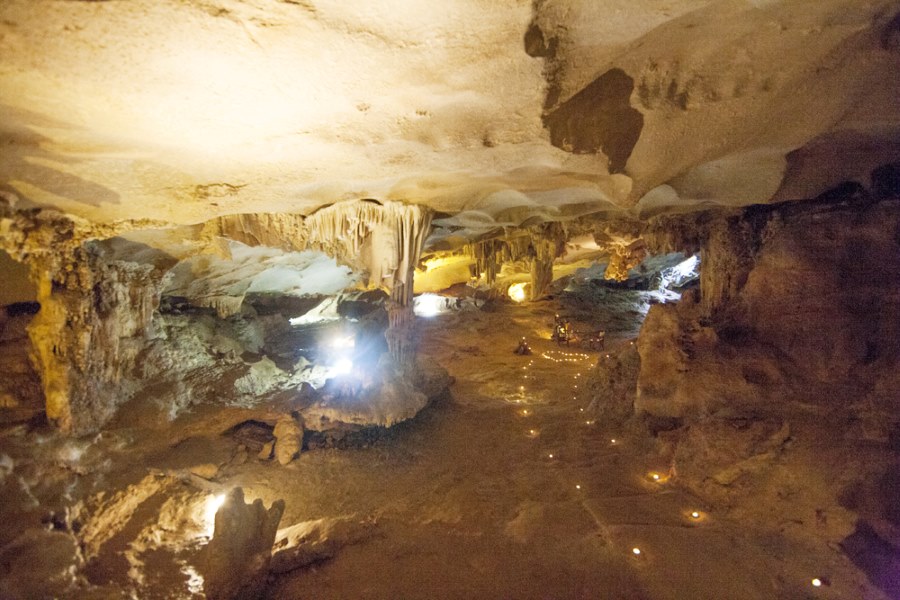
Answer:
x=612 y=385
x=307 y=543
x=288 y=439
x=238 y=555
x=789 y=277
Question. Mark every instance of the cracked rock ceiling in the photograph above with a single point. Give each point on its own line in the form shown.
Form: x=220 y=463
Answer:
x=493 y=111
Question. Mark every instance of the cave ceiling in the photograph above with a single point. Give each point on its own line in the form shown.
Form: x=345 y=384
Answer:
x=491 y=112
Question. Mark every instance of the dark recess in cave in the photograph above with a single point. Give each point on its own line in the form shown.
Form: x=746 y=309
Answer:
x=599 y=117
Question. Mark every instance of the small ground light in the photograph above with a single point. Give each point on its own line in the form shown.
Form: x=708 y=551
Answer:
x=655 y=476
x=816 y=582
x=695 y=515
x=577 y=486
x=612 y=441
x=550 y=455
x=636 y=551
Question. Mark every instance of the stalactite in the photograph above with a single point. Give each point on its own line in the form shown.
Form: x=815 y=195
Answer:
x=385 y=240
x=96 y=309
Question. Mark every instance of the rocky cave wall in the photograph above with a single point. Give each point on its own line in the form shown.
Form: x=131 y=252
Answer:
x=97 y=306
x=807 y=291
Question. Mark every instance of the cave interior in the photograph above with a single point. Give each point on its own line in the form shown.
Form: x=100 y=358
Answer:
x=456 y=299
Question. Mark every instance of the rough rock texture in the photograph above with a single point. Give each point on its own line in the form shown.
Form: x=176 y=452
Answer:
x=288 y=439
x=305 y=544
x=92 y=323
x=678 y=359
x=612 y=385
x=394 y=394
x=20 y=386
x=238 y=555
x=40 y=564
x=726 y=452
x=795 y=280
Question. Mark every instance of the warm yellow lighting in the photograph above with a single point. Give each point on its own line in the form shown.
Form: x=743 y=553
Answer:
x=817 y=582
x=436 y=263
x=695 y=515
x=210 y=508
x=550 y=455
x=654 y=476
x=517 y=292
x=612 y=441
x=577 y=486
x=636 y=551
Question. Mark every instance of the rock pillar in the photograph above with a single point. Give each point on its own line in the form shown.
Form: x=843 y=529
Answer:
x=238 y=555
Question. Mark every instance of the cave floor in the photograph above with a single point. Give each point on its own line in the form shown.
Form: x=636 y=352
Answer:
x=469 y=502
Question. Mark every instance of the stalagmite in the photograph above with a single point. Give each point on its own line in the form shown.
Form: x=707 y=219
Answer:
x=238 y=555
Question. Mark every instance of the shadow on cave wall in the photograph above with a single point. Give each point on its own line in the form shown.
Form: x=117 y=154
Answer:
x=599 y=117
x=24 y=151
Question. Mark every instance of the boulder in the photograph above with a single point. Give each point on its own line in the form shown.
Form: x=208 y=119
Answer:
x=288 y=439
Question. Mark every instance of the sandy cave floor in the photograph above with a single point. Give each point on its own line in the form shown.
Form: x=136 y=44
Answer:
x=469 y=503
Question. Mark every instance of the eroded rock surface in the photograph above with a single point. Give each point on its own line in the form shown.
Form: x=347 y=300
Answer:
x=238 y=555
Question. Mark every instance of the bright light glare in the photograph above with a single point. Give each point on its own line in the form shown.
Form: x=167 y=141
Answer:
x=677 y=275
x=210 y=508
x=429 y=305
x=343 y=367
x=343 y=342
x=687 y=267
x=324 y=311
x=517 y=292
x=817 y=582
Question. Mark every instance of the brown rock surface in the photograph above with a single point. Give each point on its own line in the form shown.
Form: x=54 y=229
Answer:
x=237 y=557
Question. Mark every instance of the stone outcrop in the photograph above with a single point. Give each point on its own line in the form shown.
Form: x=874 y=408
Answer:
x=237 y=557
x=288 y=439
x=792 y=279
x=305 y=544
x=394 y=394
x=612 y=384
x=95 y=312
